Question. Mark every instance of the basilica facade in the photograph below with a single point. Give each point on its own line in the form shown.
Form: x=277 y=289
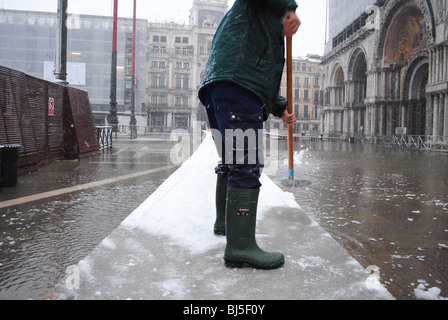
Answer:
x=385 y=70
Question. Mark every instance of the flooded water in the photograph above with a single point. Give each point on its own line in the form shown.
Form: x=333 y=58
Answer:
x=39 y=240
x=388 y=207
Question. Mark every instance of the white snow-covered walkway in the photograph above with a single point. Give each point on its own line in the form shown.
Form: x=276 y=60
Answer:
x=166 y=250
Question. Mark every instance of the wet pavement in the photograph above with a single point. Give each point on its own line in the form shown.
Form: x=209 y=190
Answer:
x=44 y=233
x=387 y=207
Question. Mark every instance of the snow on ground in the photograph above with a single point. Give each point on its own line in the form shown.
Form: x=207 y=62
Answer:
x=194 y=231
x=166 y=249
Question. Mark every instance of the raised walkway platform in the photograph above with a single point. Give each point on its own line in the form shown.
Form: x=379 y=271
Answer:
x=166 y=250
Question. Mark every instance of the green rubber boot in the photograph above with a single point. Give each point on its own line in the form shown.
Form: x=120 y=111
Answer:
x=242 y=249
x=220 y=199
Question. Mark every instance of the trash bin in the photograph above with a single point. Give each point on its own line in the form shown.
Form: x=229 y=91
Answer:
x=9 y=163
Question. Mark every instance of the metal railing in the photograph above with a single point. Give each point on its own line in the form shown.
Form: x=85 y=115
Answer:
x=104 y=134
x=421 y=142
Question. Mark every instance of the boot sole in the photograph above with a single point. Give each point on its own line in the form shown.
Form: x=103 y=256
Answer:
x=219 y=233
x=240 y=265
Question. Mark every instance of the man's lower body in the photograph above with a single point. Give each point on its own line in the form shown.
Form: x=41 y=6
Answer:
x=236 y=120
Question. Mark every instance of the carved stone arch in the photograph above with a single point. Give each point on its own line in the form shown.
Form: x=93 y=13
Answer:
x=337 y=72
x=416 y=79
x=413 y=95
x=357 y=77
x=391 y=11
x=337 y=84
x=357 y=56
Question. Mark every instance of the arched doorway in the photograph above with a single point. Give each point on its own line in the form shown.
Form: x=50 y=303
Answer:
x=413 y=113
x=334 y=114
x=405 y=66
x=357 y=75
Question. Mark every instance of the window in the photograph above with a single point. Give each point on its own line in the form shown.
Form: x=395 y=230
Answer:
x=162 y=101
x=154 y=80
x=163 y=39
x=297 y=94
x=178 y=82
x=306 y=114
x=181 y=102
x=297 y=81
x=157 y=119
x=186 y=83
x=307 y=82
x=178 y=102
x=158 y=64
x=316 y=96
x=158 y=81
x=155 y=38
x=162 y=81
x=183 y=51
x=158 y=101
x=185 y=40
x=182 y=82
x=178 y=40
x=306 y=95
x=153 y=101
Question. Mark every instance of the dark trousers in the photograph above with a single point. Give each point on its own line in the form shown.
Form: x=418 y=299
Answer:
x=236 y=120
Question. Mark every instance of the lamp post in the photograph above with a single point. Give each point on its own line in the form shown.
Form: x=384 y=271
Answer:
x=112 y=118
x=133 y=121
x=60 y=66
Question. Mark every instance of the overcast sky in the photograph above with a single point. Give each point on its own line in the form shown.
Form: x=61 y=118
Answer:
x=309 y=39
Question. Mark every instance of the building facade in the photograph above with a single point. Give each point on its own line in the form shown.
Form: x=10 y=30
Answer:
x=306 y=95
x=28 y=44
x=170 y=59
x=384 y=71
x=176 y=58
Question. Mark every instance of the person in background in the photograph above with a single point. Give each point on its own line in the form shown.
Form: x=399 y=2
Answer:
x=240 y=88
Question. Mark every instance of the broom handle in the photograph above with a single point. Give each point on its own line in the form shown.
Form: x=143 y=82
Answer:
x=290 y=105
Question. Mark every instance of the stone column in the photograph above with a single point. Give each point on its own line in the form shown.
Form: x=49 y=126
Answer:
x=429 y=114
x=368 y=123
x=403 y=115
x=438 y=66
x=322 y=123
x=345 y=128
x=435 y=114
x=373 y=119
x=443 y=63
x=445 y=122
x=432 y=65
x=382 y=120
x=441 y=121
x=446 y=63
x=352 y=121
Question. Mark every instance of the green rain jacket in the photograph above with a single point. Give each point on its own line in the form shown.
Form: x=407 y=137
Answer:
x=249 y=50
